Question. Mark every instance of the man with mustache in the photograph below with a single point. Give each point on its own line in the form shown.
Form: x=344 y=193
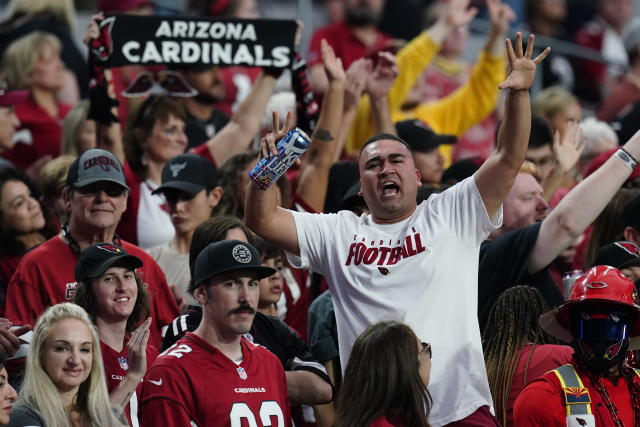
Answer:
x=214 y=375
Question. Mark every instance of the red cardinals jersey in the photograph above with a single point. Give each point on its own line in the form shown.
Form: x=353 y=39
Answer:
x=116 y=366
x=45 y=277
x=193 y=384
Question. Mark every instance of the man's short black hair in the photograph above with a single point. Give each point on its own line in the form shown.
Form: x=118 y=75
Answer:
x=540 y=133
x=384 y=136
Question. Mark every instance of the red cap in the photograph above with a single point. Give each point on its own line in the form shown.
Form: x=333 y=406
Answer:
x=12 y=97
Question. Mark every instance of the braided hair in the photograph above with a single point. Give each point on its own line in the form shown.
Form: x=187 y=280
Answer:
x=513 y=322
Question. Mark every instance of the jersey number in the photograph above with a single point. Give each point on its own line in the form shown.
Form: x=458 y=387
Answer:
x=177 y=350
x=268 y=409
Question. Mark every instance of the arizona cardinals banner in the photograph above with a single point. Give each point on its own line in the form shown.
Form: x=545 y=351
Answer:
x=131 y=39
x=182 y=41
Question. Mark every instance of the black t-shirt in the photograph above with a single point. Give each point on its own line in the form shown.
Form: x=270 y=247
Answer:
x=503 y=263
x=199 y=132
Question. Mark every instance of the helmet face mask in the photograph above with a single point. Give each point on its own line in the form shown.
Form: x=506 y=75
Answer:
x=601 y=335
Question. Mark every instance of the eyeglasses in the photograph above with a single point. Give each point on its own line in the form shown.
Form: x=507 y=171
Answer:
x=426 y=349
x=111 y=190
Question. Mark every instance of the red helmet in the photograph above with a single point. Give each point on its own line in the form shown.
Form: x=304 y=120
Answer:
x=599 y=284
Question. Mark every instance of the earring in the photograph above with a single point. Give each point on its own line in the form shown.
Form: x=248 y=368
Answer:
x=144 y=159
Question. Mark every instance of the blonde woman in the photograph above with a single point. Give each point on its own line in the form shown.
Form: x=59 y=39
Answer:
x=78 y=132
x=64 y=383
x=57 y=17
x=33 y=63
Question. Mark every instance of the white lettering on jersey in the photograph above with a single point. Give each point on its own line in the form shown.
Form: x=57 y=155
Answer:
x=177 y=350
x=249 y=390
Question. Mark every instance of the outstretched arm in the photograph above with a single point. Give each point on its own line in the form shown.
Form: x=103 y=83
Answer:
x=262 y=214
x=496 y=176
x=313 y=177
x=580 y=207
x=236 y=136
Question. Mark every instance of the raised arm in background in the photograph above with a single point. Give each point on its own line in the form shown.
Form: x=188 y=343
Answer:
x=580 y=207
x=495 y=177
x=313 y=176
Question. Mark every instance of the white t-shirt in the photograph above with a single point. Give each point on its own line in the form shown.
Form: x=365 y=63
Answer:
x=154 y=223
x=175 y=267
x=422 y=271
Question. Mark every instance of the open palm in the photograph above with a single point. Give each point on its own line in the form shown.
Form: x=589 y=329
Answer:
x=522 y=69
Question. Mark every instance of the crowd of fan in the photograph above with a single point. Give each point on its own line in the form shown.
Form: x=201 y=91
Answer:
x=438 y=209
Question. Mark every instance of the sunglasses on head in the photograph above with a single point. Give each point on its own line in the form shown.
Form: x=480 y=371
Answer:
x=111 y=190
x=426 y=349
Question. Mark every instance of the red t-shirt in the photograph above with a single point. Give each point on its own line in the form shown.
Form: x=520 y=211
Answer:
x=192 y=383
x=544 y=358
x=45 y=277
x=345 y=44
x=116 y=366
x=45 y=130
x=541 y=403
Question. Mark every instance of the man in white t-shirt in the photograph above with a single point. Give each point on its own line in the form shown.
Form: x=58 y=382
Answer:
x=416 y=264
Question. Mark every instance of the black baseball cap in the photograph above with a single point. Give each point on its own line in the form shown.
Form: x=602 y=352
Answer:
x=461 y=169
x=618 y=255
x=420 y=137
x=188 y=172
x=96 y=259
x=96 y=165
x=225 y=256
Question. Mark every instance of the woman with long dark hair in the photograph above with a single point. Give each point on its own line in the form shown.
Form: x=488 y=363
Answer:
x=23 y=224
x=385 y=383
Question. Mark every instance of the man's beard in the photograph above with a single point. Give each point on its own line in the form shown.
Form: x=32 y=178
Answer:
x=361 y=16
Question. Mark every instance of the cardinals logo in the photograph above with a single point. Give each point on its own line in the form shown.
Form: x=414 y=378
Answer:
x=630 y=247
x=102 y=47
x=581 y=421
x=110 y=248
x=384 y=271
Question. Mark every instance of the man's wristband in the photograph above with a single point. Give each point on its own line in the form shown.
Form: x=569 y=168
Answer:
x=627 y=158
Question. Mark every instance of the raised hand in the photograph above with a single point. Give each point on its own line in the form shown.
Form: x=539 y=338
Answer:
x=93 y=28
x=459 y=14
x=522 y=69
x=383 y=76
x=332 y=65
x=268 y=142
x=137 y=348
x=567 y=149
x=500 y=15
x=356 y=80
